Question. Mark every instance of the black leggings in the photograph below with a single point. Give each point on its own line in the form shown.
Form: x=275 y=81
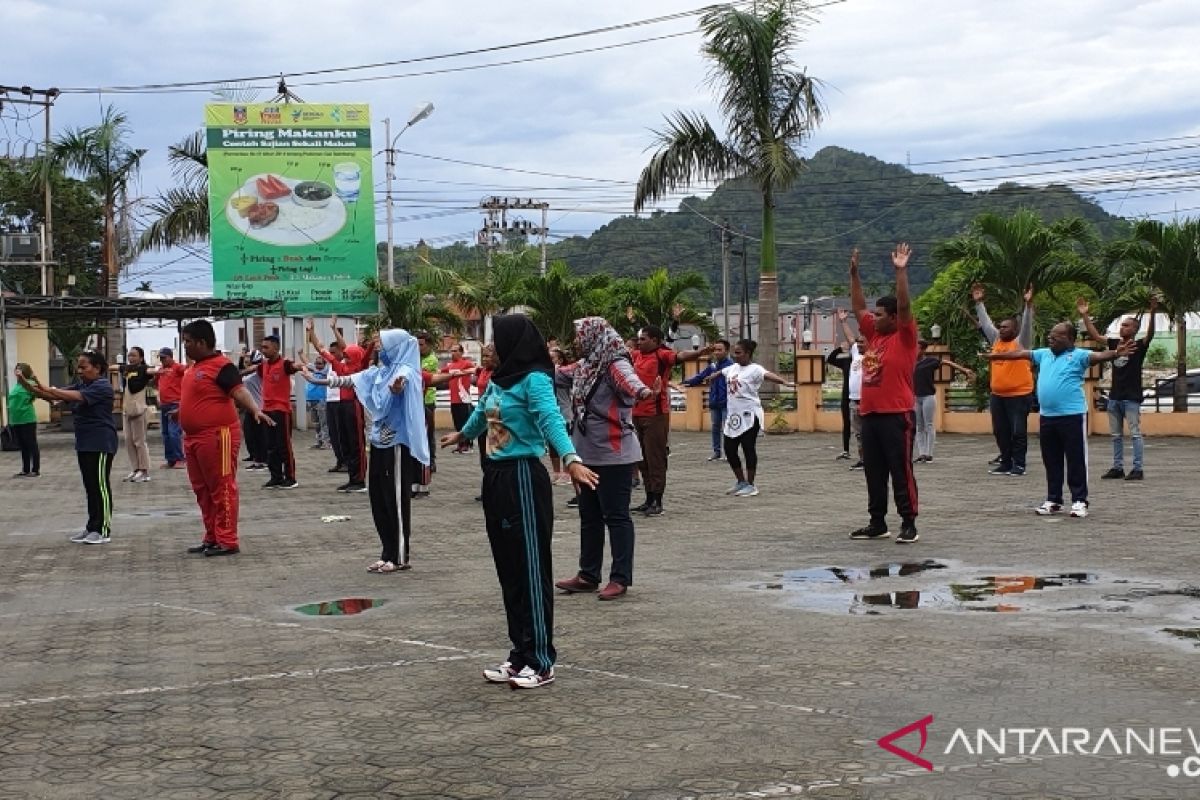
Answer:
x=749 y=444
x=31 y=455
x=845 y=423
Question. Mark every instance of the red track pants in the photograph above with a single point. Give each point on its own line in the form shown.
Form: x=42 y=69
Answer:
x=212 y=469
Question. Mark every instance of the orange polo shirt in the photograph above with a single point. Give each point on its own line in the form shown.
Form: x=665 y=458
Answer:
x=1011 y=378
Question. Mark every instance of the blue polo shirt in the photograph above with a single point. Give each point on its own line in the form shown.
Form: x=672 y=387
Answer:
x=95 y=428
x=1060 y=380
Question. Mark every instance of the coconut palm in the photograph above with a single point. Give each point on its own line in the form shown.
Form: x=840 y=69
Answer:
x=661 y=299
x=485 y=291
x=1166 y=255
x=180 y=215
x=413 y=308
x=770 y=108
x=1011 y=253
x=101 y=156
x=555 y=300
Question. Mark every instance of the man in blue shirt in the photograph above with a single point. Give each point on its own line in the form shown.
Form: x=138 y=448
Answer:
x=716 y=393
x=1063 y=418
x=314 y=399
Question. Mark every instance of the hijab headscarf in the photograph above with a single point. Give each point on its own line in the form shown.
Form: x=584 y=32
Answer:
x=520 y=349
x=404 y=413
x=599 y=345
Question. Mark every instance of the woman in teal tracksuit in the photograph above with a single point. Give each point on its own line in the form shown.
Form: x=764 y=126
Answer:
x=520 y=415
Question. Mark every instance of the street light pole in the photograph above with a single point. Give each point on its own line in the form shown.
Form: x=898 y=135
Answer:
x=422 y=111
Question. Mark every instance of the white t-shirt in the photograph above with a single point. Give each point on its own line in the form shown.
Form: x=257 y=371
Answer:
x=742 y=404
x=856 y=376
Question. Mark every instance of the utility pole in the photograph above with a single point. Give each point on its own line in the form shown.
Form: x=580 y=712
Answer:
x=497 y=227
x=421 y=112
x=726 y=237
x=48 y=96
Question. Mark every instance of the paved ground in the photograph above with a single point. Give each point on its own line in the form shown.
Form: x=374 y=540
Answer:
x=736 y=666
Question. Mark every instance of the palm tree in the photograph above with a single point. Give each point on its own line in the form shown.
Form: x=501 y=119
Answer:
x=101 y=157
x=1167 y=257
x=486 y=291
x=555 y=300
x=1011 y=253
x=413 y=308
x=770 y=108
x=662 y=300
x=180 y=216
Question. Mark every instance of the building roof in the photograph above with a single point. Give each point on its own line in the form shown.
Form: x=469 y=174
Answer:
x=102 y=310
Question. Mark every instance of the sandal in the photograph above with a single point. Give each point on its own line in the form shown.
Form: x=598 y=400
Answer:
x=376 y=566
x=387 y=567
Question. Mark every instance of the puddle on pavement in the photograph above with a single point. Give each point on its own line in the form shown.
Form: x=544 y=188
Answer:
x=339 y=608
x=932 y=585
x=1187 y=634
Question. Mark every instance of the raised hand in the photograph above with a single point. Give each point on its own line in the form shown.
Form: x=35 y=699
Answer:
x=1028 y=295
x=843 y=315
x=978 y=293
x=1081 y=305
x=1153 y=300
x=309 y=325
x=901 y=255
x=854 y=261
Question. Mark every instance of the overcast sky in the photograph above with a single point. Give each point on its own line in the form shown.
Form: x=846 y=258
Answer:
x=905 y=81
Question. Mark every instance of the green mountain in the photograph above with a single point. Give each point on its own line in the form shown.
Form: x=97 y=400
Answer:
x=844 y=199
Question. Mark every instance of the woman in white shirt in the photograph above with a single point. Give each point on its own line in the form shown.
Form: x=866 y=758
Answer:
x=744 y=414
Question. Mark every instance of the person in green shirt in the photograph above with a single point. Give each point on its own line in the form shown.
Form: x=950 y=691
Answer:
x=429 y=363
x=22 y=420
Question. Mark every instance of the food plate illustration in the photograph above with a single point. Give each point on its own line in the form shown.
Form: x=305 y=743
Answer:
x=286 y=211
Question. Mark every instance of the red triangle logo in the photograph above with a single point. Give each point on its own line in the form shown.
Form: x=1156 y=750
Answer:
x=888 y=742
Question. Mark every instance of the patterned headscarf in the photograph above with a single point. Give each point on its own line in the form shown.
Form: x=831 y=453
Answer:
x=598 y=345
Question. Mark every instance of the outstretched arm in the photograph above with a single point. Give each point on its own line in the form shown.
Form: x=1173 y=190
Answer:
x=49 y=392
x=984 y=321
x=773 y=378
x=857 y=301
x=1153 y=316
x=970 y=373
x=1125 y=348
x=900 y=257
x=1081 y=305
x=1025 y=333
x=337 y=334
x=1011 y=355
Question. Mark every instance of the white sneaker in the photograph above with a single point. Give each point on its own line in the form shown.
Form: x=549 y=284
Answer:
x=95 y=538
x=142 y=478
x=1079 y=508
x=528 y=679
x=747 y=490
x=129 y=477
x=501 y=673
x=1047 y=508
x=737 y=487
x=77 y=538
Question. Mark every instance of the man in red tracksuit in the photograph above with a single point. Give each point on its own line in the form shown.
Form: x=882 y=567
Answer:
x=276 y=375
x=207 y=415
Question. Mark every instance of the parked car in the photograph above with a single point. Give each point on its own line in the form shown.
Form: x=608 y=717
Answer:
x=1164 y=391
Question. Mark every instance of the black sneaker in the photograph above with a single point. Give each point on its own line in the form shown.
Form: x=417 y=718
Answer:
x=1134 y=475
x=359 y=486
x=1114 y=474
x=995 y=461
x=202 y=548
x=274 y=483
x=642 y=508
x=654 y=510
x=908 y=534
x=871 y=532
x=856 y=465
x=288 y=483
x=572 y=503
x=1016 y=472
x=345 y=487
x=1000 y=470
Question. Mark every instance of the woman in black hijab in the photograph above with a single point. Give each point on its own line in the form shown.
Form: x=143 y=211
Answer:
x=520 y=415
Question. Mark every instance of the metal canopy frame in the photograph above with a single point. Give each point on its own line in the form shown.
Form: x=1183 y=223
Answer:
x=51 y=309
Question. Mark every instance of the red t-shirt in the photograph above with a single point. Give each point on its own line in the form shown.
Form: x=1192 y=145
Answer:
x=345 y=393
x=205 y=400
x=277 y=384
x=887 y=367
x=648 y=367
x=460 y=387
x=169 y=382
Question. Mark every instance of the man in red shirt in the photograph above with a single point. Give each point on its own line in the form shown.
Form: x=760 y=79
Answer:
x=346 y=359
x=276 y=376
x=207 y=415
x=652 y=417
x=461 y=369
x=887 y=401
x=168 y=379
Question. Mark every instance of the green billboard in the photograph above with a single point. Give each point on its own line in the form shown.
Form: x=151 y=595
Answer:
x=293 y=214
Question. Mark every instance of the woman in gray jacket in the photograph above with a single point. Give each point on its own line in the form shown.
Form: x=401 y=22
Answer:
x=604 y=387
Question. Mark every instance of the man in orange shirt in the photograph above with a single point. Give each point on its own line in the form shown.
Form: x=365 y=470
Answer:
x=1011 y=382
x=276 y=374
x=167 y=380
